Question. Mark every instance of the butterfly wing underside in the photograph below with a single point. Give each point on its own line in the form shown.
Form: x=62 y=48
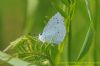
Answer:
x=54 y=31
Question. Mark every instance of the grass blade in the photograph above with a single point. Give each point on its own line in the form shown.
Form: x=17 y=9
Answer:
x=89 y=35
x=87 y=43
x=13 y=61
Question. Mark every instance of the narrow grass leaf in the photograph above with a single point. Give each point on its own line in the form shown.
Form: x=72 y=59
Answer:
x=89 y=36
x=13 y=61
x=86 y=44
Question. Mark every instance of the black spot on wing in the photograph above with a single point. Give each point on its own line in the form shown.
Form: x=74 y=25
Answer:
x=58 y=32
x=57 y=22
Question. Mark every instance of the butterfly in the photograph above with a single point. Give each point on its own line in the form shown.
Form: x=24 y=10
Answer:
x=55 y=30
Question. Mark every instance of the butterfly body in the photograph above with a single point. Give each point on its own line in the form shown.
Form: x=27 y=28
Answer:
x=54 y=31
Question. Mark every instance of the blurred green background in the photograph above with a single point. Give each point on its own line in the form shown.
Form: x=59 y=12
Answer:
x=19 y=17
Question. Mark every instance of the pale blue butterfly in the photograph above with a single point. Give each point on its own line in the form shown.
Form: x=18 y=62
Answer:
x=54 y=31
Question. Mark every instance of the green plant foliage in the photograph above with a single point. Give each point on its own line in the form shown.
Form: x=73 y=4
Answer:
x=25 y=18
x=36 y=53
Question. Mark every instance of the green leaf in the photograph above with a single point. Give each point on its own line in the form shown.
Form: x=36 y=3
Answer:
x=89 y=36
x=13 y=61
x=86 y=44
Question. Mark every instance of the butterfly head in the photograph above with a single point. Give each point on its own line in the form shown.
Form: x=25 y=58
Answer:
x=41 y=38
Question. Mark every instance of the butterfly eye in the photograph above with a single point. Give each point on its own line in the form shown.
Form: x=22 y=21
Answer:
x=40 y=33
